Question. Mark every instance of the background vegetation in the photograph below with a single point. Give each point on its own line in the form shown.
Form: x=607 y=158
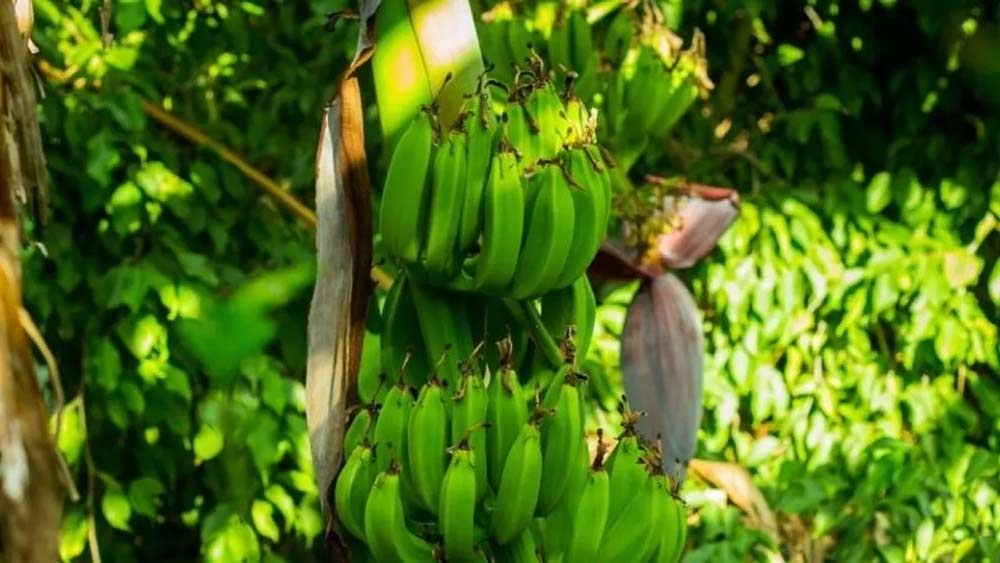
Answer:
x=851 y=313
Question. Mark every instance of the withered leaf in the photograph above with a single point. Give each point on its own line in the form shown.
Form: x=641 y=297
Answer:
x=342 y=288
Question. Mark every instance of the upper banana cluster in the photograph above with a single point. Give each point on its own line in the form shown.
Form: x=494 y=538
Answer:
x=629 y=64
x=511 y=203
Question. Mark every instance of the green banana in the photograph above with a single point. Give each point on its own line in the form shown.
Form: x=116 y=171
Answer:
x=682 y=534
x=517 y=494
x=468 y=423
x=589 y=212
x=626 y=535
x=427 y=441
x=547 y=108
x=371 y=381
x=401 y=82
x=578 y=127
x=648 y=89
x=404 y=357
x=390 y=427
x=447 y=199
x=406 y=196
x=619 y=36
x=445 y=327
x=385 y=524
x=522 y=550
x=560 y=445
x=457 y=506
x=498 y=323
x=519 y=39
x=560 y=43
x=626 y=473
x=615 y=107
x=668 y=534
x=590 y=517
x=584 y=56
x=506 y=413
x=571 y=306
x=603 y=166
x=521 y=129
x=493 y=42
x=658 y=516
x=684 y=93
x=359 y=428
x=352 y=487
x=479 y=156
x=559 y=526
x=548 y=234
x=503 y=225
x=598 y=383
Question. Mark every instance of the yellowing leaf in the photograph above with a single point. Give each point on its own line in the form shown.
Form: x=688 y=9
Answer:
x=961 y=268
x=879 y=192
x=208 y=443
x=116 y=509
x=263 y=519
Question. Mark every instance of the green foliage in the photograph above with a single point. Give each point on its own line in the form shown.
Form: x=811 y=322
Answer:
x=851 y=316
x=164 y=275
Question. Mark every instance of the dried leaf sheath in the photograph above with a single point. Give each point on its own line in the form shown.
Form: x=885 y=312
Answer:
x=20 y=127
x=662 y=363
x=340 y=295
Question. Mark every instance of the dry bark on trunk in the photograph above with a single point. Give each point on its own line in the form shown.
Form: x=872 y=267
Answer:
x=30 y=491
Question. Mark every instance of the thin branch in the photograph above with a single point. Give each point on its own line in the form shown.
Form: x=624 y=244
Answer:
x=29 y=327
x=263 y=181
x=88 y=458
x=193 y=134
x=50 y=361
x=106 y=23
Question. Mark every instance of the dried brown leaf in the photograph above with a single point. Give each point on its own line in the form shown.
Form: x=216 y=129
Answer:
x=30 y=492
x=736 y=482
x=20 y=112
x=342 y=287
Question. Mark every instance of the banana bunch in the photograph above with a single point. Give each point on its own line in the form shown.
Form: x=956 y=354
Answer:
x=652 y=95
x=456 y=455
x=571 y=45
x=618 y=510
x=486 y=471
x=625 y=60
x=512 y=204
x=452 y=473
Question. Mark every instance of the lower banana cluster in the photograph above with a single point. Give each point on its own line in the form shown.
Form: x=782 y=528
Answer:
x=513 y=204
x=496 y=467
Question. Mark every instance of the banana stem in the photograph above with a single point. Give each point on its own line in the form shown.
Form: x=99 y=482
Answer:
x=525 y=312
x=446 y=33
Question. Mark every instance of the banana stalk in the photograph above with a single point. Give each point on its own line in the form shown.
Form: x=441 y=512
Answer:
x=453 y=53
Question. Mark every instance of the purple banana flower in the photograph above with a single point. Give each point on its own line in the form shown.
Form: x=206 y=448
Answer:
x=662 y=349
